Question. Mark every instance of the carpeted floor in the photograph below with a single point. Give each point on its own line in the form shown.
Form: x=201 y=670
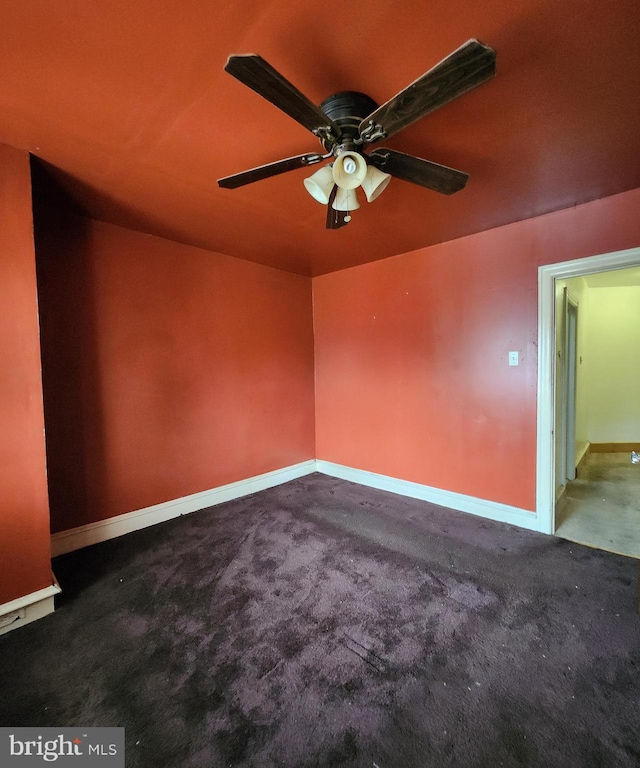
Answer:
x=326 y=624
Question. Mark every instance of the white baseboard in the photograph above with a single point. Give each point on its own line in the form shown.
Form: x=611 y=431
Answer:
x=492 y=510
x=93 y=533
x=581 y=458
x=24 y=610
x=35 y=606
x=584 y=448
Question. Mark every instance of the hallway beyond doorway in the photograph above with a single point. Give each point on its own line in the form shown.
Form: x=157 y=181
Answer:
x=603 y=505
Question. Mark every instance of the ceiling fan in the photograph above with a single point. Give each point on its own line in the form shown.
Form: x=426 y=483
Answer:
x=347 y=123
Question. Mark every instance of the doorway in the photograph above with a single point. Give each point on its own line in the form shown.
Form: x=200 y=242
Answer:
x=547 y=466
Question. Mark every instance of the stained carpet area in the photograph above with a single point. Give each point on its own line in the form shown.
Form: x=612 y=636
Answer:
x=322 y=623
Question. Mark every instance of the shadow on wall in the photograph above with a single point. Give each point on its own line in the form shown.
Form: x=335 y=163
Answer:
x=69 y=343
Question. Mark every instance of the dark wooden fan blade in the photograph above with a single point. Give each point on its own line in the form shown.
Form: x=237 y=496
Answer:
x=261 y=77
x=418 y=171
x=471 y=65
x=272 y=169
x=335 y=219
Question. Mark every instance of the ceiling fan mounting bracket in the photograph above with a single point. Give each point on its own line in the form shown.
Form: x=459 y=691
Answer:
x=313 y=159
x=381 y=158
x=325 y=134
x=373 y=132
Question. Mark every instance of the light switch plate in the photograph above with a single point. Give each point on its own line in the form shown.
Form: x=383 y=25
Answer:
x=513 y=358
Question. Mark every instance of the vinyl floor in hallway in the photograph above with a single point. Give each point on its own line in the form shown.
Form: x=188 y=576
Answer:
x=603 y=505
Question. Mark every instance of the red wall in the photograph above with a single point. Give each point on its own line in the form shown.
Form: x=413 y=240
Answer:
x=168 y=370
x=25 y=565
x=411 y=352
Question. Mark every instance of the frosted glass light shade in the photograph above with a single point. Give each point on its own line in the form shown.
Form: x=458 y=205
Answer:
x=346 y=200
x=320 y=184
x=349 y=170
x=375 y=182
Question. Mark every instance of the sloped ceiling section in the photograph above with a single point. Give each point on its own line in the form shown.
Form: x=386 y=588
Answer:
x=128 y=106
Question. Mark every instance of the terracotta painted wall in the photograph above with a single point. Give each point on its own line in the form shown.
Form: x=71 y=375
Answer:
x=412 y=378
x=168 y=370
x=25 y=565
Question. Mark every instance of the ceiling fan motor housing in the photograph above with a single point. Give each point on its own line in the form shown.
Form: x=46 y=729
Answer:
x=347 y=109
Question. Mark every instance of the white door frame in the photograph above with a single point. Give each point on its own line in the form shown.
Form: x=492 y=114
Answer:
x=547 y=275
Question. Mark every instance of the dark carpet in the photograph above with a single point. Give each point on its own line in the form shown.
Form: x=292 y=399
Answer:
x=322 y=623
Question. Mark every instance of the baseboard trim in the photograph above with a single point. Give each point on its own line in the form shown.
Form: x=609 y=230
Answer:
x=93 y=533
x=492 y=510
x=23 y=610
x=561 y=505
x=581 y=458
x=103 y=530
x=614 y=447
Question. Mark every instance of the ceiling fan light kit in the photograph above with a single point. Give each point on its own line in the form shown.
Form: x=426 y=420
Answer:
x=372 y=181
x=345 y=200
x=320 y=184
x=347 y=122
x=375 y=182
x=349 y=170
